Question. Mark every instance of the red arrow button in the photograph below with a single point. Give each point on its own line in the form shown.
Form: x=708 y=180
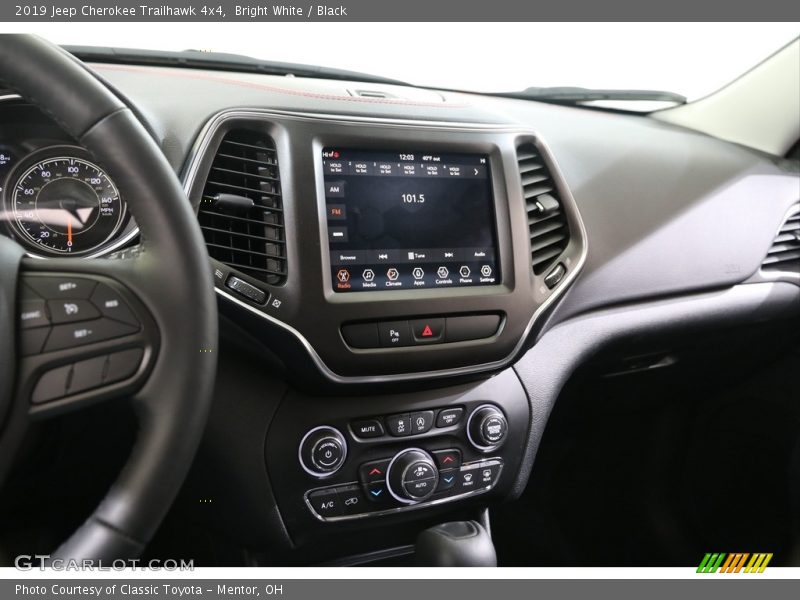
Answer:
x=376 y=471
x=447 y=459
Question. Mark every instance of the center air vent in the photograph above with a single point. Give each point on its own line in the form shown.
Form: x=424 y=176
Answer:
x=547 y=222
x=241 y=213
x=784 y=255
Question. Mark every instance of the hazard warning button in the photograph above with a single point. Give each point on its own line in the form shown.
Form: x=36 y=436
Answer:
x=428 y=331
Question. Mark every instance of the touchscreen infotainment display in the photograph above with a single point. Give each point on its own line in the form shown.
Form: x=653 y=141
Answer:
x=409 y=220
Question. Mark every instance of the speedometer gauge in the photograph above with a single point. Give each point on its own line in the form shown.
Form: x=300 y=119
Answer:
x=63 y=203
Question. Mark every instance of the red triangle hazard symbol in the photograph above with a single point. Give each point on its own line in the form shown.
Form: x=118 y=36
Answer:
x=427 y=331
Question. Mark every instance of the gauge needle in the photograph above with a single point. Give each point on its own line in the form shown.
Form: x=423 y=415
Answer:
x=69 y=230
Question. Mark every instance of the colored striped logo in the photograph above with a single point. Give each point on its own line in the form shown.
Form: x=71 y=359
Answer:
x=734 y=563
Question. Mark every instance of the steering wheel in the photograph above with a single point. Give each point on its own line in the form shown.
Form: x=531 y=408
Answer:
x=152 y=336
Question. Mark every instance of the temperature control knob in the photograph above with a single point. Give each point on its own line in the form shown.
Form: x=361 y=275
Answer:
x=487 y=428
x=322 y=451
x=412 y=476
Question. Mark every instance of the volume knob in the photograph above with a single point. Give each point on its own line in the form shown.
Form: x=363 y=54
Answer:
x=322 y=451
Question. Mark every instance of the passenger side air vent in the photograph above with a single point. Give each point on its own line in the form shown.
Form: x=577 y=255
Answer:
x=241 y=213
x=546 y=219
x=784 y=255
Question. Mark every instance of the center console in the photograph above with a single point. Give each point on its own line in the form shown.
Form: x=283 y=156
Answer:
x=395 y=269
x=371 y=251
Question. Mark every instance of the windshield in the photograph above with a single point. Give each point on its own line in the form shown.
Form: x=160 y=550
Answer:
x=693 y=59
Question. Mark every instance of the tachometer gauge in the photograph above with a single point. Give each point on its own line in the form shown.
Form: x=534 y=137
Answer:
x=62 y=203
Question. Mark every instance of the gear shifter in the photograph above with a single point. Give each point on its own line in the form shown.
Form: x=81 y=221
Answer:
x=455 y=544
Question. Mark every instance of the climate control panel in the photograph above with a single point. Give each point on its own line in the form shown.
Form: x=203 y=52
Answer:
x=388 y=456
x=406 y=491
x=413 y=475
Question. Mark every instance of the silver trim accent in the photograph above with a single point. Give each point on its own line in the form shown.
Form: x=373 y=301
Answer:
x=403 y=475
x=475 y=444
x=762 y=276
x=106 y=249
x=201 y=146
x=335 y=434
x=487 y=462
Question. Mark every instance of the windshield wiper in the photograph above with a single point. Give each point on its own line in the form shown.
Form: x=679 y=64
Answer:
x=220 y=61
x=579 y=95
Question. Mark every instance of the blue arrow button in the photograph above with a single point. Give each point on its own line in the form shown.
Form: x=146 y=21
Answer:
x=376 y=493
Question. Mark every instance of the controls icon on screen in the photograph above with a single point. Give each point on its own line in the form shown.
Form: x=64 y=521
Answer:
x=443 y=272
x=418 y=273
x=343 y=275
x=486 y=271
x=368 y=275
x=392 y=274
x=464 y=271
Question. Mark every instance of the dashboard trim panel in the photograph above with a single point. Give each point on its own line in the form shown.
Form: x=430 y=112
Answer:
x=202 y=146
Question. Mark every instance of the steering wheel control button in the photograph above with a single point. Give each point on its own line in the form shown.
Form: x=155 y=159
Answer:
x=361 y=335
x=487 y=428
x=32 y=314
x=475 y=327
x=428 y=331
x=373 y=471
x=251 y=292
x=55 y=288
x=326 y=503
x=449 y=417
x=447 y=459
x=399 y=425
x=323 y=451
x=52 y=385
x=87 y=374
x=70 y=310
x=395 y=334
x=31 y=341
x=80 y=334
x=123 y=364
x=412 y=476
x=421 y=421
x=554 y=277
x=368 y=428
x=112 y=305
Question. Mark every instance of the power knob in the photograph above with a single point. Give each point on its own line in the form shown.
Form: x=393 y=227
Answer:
x=412 y=476
x=323 y=451
x=487 y=428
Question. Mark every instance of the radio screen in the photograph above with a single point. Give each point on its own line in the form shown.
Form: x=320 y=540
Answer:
x=399 y=221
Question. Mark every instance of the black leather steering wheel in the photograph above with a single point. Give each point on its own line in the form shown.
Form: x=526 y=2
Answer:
x=164 y=359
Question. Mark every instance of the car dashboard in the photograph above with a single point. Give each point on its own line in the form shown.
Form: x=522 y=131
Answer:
x=418 y=273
